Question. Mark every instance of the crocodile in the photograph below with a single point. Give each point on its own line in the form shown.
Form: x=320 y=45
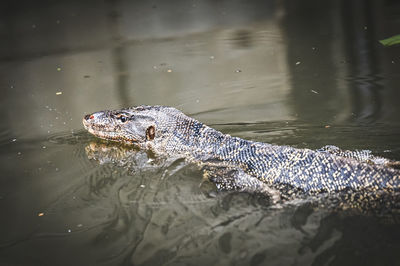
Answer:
x=235 y=163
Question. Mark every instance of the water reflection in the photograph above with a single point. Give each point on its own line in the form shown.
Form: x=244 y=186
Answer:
x=129 y=207
x=339 y=62
x=314 y=57
x=337 y=233
x=242 y=39
x=365 y=81
x=304 y=74
x=137 y=162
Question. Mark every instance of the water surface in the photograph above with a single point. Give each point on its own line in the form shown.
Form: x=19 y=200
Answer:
x=304 y=74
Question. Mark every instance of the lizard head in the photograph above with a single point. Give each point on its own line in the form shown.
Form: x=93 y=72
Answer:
x=139 y=125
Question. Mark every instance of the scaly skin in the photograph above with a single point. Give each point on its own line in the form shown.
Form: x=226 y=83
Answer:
x=168 y=132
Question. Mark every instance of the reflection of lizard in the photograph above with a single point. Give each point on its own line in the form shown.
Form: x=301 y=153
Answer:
x=241 y=164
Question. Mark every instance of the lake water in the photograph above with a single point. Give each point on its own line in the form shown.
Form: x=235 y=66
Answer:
x=300 y=73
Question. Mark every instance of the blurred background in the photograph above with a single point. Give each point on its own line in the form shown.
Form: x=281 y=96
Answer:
x=303 y=73
x=227 y=61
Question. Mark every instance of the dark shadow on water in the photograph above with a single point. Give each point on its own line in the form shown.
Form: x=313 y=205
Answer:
x=309 y=28
x=360 y=23
x=336 y=63
x=356 y=243
x=119 y=54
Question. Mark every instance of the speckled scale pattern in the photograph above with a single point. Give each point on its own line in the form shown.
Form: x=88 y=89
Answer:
x=326 y=170
x=310 y=171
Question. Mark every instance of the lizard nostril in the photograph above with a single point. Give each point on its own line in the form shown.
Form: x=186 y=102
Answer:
x=87 y=117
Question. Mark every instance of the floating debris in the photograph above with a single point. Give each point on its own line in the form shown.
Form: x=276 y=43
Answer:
x=58 y=68
x=58 y=92
x=313 y=91
x=169 y=70
x=238 y=71
x=327 y=126
x=40 y=214
x=298 y=63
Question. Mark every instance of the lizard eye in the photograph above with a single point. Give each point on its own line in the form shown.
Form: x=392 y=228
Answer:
x=122 y=117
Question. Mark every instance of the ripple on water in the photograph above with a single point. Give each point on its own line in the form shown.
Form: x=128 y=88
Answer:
x=6 y=137
x=72 y=138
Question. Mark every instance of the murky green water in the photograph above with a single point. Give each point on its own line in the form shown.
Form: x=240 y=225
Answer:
x=300 y=73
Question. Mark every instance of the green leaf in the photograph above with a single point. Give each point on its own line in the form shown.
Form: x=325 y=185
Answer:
x=391 y=41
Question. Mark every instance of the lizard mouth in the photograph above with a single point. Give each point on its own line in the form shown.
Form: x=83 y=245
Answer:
x=103 y=132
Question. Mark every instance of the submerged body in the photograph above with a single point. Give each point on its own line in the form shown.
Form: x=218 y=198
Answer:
x=241 y=163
